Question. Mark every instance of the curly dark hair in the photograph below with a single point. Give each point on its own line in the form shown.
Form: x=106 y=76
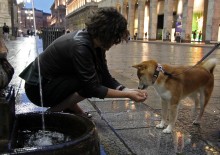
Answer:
x=108 y=25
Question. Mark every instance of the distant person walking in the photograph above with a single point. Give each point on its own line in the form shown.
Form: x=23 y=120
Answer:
x=200 y=35
x=135 y=36
x=5 y=31
x=28 y=32
x=145 y=35
x=174 y=35
x=168 y=35
x=194 y=35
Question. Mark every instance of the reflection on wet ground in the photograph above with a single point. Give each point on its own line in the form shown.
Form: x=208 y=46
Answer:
x=186 y=139
x=126 y=127
x=135 y=124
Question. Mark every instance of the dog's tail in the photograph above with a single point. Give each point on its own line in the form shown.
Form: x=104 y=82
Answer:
x=210 y=65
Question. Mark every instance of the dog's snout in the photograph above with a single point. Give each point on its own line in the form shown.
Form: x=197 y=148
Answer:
x=142 y=87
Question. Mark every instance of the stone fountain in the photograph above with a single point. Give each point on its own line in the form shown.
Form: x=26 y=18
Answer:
x=81 y=132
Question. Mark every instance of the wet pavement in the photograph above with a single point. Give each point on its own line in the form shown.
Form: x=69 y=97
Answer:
x=125 y=127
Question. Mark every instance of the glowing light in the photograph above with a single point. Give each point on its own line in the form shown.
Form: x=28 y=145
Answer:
x=219 y=33
x=126 y=105
x=194 y=145
x=147 y=115
x=198 y=6
x=158 y=7
x=20 y=1
x=199 y=20
x=23 y=1
x=179 y=142
x=206 y=147
x=156 y=115
x=180 y=7
x=146 y=20
x=133 y=107
x=132 y=102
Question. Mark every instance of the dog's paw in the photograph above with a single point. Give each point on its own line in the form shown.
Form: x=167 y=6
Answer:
x=167 y=130
x=160 y=126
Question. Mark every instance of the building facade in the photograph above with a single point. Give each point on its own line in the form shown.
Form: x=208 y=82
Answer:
x=26 y=20
x=77 y=13
x=58 y=11
x=190 y=20
x=46 y=19
x=8 y=15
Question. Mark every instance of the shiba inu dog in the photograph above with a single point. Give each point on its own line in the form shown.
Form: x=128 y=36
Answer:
x=174 y=83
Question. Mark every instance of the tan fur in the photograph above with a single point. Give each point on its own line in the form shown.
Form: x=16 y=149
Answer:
x=196 y=82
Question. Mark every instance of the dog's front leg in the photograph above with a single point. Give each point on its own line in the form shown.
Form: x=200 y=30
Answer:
x=172 y=117
x=195 y=99
x=164 y=111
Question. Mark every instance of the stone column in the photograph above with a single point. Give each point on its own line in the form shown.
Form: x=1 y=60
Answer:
x=124 y=8
x=5 y=14
x=213 y=20
x=187 y=20
x=131 y=12
x=141 y=8
x=153 y=20
x=168 y=19
x=204 y=20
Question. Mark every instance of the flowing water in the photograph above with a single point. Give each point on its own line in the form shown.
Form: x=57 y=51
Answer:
x=31 y=138
x=40 y=84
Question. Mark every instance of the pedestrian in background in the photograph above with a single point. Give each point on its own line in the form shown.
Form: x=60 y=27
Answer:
x=168 y=35
x=200 y=35
x=74 y=66
x=135 y=36
x=194 y=35
x=28 y=32
x=145 y=35
x=5 y=29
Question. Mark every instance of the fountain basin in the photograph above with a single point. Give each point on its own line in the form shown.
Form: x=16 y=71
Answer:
x=82 y=130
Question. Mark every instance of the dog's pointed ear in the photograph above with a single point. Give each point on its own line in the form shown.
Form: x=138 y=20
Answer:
x=138 y=66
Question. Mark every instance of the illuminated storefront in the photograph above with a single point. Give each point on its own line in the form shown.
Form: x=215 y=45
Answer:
x=154 y=19
x=197 y=22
